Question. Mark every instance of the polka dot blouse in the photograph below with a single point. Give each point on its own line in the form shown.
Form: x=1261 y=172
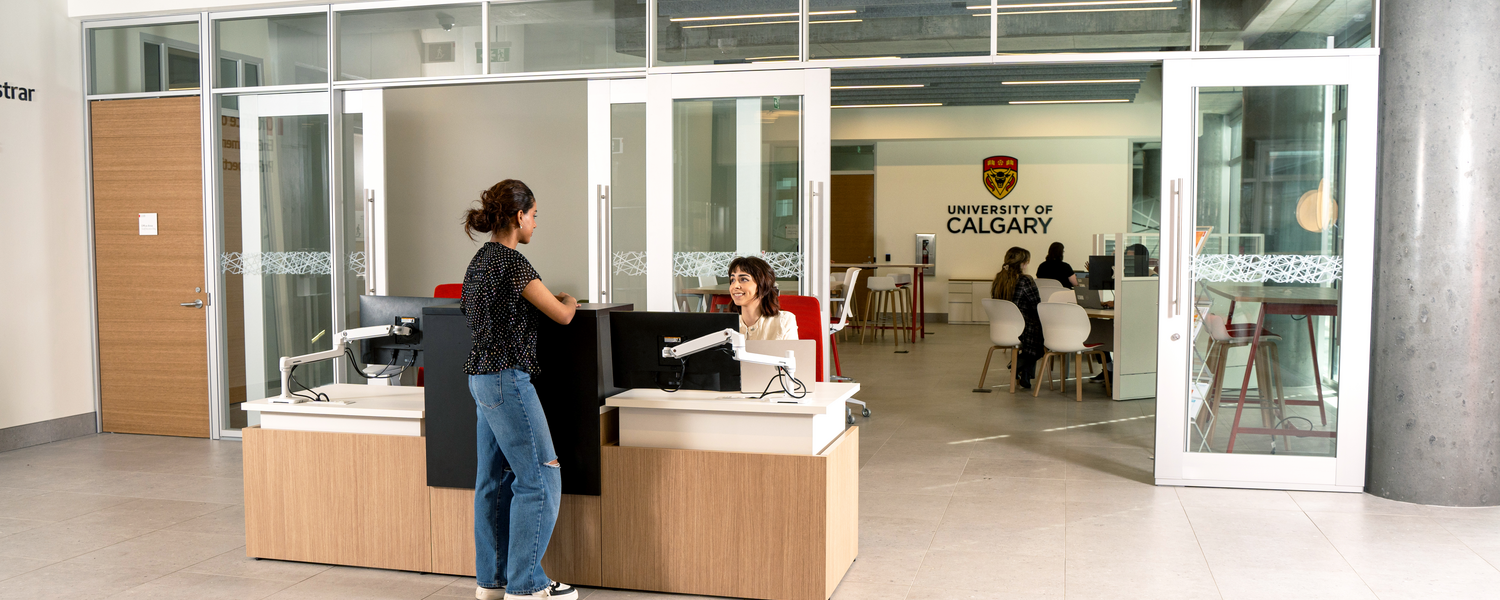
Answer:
x=502 y=322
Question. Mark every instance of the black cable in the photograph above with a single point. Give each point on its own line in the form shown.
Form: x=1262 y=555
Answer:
x=797 y=385
x=292 y=379
x=681 y=375
x=348 y=353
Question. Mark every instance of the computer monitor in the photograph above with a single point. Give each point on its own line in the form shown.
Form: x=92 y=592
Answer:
x=637 y=339
x=403 y=350
x=1102 y=272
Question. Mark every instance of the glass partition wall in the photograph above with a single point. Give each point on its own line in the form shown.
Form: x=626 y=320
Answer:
x=268 y=221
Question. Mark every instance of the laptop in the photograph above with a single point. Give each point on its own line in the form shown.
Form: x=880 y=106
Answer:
x=1087 y=298
x=754 y=377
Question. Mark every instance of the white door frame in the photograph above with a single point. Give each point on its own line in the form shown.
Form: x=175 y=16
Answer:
x=1174 y=464
x=659 y=92
x=252 y=108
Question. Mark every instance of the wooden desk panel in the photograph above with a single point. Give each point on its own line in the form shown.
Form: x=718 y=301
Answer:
x=778 y=527
x=573 y=556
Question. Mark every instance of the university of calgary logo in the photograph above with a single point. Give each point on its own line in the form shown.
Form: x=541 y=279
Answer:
x=1000 y=173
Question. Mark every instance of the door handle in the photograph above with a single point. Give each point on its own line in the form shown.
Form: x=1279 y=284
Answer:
x=193 y=304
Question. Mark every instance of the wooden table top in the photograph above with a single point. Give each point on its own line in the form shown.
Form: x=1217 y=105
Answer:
x=1100 y=313
x=1254 y=292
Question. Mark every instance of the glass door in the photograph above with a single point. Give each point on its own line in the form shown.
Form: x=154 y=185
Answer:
x=689 y=171
x=294 y=262
x=1267 y=246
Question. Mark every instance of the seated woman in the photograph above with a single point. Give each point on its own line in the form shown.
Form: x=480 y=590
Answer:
x=1055 y=268
x=752 y=288
x=1013 y=284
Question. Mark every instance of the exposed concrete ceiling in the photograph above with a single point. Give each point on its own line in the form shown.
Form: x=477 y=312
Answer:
x=985 y=85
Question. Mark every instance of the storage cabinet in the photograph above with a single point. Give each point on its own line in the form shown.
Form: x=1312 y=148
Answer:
x=964 y=306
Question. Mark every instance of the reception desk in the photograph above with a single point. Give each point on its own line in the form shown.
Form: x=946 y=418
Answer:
x=323 y=485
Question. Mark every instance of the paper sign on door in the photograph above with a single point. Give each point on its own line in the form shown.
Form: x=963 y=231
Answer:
x=148 y=223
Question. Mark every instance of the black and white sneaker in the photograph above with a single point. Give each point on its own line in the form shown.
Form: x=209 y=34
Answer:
x=556 y=591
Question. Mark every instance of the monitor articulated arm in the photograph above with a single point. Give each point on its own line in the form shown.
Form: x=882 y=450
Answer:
x=340 y=341
x=736 y=342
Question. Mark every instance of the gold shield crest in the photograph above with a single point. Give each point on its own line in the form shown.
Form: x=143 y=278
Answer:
x=1000 y=175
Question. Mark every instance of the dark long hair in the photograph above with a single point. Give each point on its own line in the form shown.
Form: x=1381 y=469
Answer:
x=1004 y=286
x=498 y=207
x=1054 y=252
x=765 y=284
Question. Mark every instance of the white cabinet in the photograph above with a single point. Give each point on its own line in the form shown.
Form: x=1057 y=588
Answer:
x=964 y=306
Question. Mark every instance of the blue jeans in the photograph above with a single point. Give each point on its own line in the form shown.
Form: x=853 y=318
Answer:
x=516 y=491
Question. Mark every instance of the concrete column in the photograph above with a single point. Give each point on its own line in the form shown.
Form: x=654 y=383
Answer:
x=1434 y=411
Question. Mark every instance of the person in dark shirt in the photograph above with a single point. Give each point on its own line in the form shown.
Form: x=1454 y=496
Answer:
x=1055 y=268
x=1013 y=284
x=518 y=486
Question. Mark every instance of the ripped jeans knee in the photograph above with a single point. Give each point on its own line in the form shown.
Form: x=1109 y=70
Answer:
x=554 y=464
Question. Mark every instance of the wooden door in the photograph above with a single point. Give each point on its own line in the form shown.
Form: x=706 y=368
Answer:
x=153 y=352
x=852 y=214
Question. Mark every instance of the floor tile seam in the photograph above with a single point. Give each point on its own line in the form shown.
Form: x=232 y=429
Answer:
x=1460 y=539
x=1340 y=552
x=216 y=576
x=1199 y=542
x=15 y=575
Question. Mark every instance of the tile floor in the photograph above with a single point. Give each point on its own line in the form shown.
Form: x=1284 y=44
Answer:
x=963 y=496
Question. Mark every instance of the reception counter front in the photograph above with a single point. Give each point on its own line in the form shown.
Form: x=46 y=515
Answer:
x=652 y=499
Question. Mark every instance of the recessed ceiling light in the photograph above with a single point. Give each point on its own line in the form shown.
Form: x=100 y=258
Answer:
x=1080 y=10
x=1068 y=101
x=735 y=24
x=885 y=105
x=839 y=21
x=761 y=16
x=1064 y=81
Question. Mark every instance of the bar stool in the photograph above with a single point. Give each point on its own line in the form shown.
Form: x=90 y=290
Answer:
x=883 y=295
x=908 y=291
x=1221 y=341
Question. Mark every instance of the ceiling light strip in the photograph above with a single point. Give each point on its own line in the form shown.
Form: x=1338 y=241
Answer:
x=1080 y=10
x=1115 y=101
x=1057 y=4
x=885 y=105
x=737 y=24
x=838 y=21
x=1066 y=81
x=762 y=16
x=876 y=87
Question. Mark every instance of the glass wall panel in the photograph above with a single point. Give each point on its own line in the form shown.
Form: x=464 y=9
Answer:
x=151 y=58
x=284 y=50
x=1032 y=26
x=559 y=35
x=702 y=32
x=736 y=186
x=430 y=41
x=1268 y=269
x=1289 y=25
x=627 y=195
x=276 y=265
x=880 y=28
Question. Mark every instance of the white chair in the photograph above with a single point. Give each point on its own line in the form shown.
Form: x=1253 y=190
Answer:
x=1006 y=325
x=1065 y=296
x=1044 y=285
x=1065 y=329
x=845 y=300
x=883 y=296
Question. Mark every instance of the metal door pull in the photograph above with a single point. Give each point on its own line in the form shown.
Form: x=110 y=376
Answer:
x=193 y=304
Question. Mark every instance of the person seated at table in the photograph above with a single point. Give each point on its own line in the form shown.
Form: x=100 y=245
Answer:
x=1055 y=268
x=1013 y=284
x=752 y=291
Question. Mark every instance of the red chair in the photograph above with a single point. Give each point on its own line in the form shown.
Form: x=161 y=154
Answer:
x=810 y=323
x=810 y=326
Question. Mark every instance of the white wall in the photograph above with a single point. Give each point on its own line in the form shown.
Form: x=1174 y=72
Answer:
x=1085 y=180
x=1073 y=157
x=446 y=145
x=46 y=361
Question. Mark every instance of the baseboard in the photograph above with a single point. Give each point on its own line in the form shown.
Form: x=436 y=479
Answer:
x=43 y=432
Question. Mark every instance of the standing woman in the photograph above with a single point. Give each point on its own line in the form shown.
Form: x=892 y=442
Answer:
x=1013 y=284
x=752 y=288
x=519 y=481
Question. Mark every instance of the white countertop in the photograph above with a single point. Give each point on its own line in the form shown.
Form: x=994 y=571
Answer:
x=378 y=401
x=819 y=398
